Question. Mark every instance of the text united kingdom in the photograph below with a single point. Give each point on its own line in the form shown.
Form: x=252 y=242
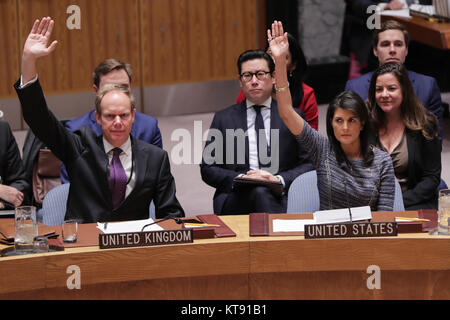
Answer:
x=150 y=238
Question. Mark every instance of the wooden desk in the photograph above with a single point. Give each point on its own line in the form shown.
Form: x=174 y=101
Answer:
x=431 y=33
x=413 y=266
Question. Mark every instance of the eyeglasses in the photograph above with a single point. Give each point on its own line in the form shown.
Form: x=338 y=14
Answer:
x=260 y=75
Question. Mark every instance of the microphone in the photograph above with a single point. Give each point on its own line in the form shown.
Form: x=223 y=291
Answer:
x=346 y=196
x=177 y=220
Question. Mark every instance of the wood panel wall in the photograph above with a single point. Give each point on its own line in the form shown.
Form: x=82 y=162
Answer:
x=165 y=41
x=9 y=52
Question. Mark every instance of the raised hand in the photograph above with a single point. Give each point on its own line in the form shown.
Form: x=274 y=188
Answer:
x=278 y=41
x=37 y=41
x=36 y=46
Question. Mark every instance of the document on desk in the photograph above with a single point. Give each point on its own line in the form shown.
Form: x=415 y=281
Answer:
x=298 y=225
x=342 y=215
x=404 y=12
x=128 y=226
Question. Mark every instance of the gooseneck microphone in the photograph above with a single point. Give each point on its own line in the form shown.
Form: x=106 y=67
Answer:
x=177 y=220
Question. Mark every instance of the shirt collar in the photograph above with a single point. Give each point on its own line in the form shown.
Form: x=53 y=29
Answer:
x=266 y=103
x=126 y=147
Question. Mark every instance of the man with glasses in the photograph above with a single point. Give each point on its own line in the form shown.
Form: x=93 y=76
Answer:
x=114 y=176
x=249 y=140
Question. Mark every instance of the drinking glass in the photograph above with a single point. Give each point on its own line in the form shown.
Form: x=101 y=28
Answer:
x=25 y=229
x=444 y=212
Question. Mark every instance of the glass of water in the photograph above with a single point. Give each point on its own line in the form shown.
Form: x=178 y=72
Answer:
x=25 y=229
x=444 y=212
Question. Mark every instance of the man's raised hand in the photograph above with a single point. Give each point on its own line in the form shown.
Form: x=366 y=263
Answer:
x=36 y=46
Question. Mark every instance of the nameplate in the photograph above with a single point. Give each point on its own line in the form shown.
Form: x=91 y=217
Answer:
x=350 y=230
x=141 y=239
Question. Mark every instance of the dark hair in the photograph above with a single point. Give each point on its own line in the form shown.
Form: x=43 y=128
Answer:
x=298 y=75
x=252 y=55
x=414 y=115
x=348 y=100
x=390 y=25
x=107 y=66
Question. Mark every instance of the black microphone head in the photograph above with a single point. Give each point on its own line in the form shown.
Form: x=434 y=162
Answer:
x=178 y=220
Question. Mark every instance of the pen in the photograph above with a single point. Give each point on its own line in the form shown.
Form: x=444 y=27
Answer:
x=412 y=219
x=201 y=225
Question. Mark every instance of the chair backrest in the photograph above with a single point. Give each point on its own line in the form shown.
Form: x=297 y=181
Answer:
x=54 y=205
x=303 y=195
x=45 y=174
x=398 y=198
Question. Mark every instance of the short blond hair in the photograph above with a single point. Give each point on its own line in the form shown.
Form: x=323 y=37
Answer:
x=109 y=88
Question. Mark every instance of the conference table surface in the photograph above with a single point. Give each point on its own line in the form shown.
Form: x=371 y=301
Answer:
x=410 y=266
x=435 y=34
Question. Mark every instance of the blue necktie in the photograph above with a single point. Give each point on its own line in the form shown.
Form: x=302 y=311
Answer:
x=117 y=178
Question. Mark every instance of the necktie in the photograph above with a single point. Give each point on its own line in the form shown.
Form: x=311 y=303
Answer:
x=117 y=178
x=261 y=141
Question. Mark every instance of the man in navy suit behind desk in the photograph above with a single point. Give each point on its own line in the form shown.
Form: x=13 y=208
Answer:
x=390 y=44
x=114 y=176
x=234 y=147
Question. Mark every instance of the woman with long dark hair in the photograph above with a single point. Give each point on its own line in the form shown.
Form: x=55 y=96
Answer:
x=303 y=96
x=408 y=132
x=350 y=172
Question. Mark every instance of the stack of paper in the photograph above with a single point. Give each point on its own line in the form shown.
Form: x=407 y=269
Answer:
x=323 y=217
x=127 y=226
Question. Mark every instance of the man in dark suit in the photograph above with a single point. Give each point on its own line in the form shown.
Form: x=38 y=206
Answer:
x=112 y=71
x=12 y=176
x=250 y=140
x=114 y=176
x=390 y=44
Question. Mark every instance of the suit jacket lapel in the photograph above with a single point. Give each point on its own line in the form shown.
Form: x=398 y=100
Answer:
x=240 y=121
x=104 y=165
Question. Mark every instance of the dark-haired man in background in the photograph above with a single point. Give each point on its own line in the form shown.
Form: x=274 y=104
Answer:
x=236 y=138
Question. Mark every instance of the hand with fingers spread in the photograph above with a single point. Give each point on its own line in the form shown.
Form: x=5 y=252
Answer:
x=36 y=46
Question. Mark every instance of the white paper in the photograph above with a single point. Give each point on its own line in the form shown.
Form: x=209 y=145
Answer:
x=284 y=225
x=423 y=8
x=404 y=13
x=128 y=226
x=342 y=215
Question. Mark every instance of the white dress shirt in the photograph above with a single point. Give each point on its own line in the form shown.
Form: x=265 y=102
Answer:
x=252 y=141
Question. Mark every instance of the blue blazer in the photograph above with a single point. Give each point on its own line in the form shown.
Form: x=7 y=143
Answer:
x=425 y=87
x=144 y=128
